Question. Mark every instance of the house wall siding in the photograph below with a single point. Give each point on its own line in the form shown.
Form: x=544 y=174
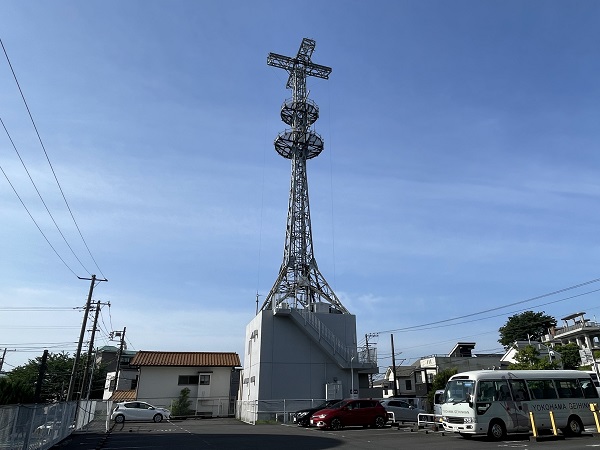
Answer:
x=159 y=385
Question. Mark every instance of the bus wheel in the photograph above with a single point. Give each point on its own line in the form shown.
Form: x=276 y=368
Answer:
x=574 y=427
x=497 y=430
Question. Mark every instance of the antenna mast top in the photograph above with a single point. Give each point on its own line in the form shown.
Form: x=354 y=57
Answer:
x=300 y=283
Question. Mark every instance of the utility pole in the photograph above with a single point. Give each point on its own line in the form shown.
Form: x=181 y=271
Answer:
x=81 y=336
x=368 y=359
x=367 y=336
x=89 y=357
x=40 y=379
x=2 y=359
x=122 y=334
x=394 y=367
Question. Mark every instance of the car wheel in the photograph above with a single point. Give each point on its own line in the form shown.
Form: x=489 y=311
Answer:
x=120 y=418
x=157 y=418
x=497 y=430
x=574 y=427
x=379 y=422
x=336 y=424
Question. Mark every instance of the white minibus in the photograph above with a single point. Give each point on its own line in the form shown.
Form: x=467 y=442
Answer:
x=497 y=402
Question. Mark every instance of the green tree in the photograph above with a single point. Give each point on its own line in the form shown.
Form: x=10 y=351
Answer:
x=181 y=405
x=439 y=382
x=55 y=383
x=569 y=355
x=526 y=326
x=529 y=358
x=13 y=392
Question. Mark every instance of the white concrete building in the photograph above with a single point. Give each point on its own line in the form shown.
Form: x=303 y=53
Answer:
x=212 y=379
x=462 y=358
x=294 y=353
x=576 y=329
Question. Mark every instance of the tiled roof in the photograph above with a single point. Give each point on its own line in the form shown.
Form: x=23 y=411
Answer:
x=123 y=396
x=186 y=359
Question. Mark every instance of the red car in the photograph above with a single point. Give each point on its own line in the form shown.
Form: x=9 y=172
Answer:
x=359 y=412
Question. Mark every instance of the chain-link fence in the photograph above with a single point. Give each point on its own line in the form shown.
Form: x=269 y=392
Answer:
x=40 y=426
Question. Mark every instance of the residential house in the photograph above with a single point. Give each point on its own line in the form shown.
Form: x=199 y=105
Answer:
x=575 y=329
x=107 y=357
x=404 y=379
x=545 y=352
x=211 y=377
x=461 y=358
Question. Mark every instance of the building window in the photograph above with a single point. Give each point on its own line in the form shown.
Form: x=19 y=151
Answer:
x=204 y=379
x=408 y=384
x=188 y=379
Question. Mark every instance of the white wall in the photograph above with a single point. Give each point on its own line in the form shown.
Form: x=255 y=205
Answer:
x=125 y=379
x=287 y=364
x=159 y=385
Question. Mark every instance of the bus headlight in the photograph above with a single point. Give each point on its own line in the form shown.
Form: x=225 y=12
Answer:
x=468 y=420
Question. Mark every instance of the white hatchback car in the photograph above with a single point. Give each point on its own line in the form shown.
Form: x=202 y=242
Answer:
x=138 y=411
x=403 y=411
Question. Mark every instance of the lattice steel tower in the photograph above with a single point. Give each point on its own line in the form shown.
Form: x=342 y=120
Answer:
x=300 y=284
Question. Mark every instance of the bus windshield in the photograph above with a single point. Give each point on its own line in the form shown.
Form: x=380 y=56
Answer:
x=458 y=391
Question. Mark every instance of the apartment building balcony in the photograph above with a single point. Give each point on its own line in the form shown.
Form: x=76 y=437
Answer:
x=576 y=329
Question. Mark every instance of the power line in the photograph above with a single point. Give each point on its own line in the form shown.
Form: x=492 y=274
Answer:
x=40 y=195
x=105 y=330
x=130 y=344
x=38 y=327
x=50 y=164
x=110 y=318
x=36 y=224
x=413 y=327
x=40 y=308
x=502 y=314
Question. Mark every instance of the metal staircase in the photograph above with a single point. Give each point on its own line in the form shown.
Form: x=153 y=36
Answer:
x=346 y=357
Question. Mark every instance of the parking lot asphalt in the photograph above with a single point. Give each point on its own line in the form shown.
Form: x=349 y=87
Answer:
x=231 y=434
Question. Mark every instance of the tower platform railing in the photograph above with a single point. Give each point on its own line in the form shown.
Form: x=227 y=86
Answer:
x=327 y=335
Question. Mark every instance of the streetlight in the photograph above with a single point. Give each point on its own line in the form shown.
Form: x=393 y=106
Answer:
x=351 y=378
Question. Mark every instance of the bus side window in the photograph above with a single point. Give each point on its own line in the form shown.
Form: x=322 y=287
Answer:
x=549 y=391
x=519 y=389
x=502 y=391
x=536 y=389
x=589 y=390
x=486 y=391
x=568 y=389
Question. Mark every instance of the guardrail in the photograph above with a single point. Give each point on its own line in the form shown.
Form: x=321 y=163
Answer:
x=253 y=411
x=429 y=421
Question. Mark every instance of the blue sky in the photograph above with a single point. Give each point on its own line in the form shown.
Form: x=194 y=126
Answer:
x=460 y=170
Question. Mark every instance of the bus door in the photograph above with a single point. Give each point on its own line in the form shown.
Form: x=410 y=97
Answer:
x=520 y=411
x=488 y=402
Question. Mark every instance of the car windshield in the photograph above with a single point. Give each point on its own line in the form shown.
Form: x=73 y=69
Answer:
x=330 y=404
x=339 y=404
x=458 y=391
